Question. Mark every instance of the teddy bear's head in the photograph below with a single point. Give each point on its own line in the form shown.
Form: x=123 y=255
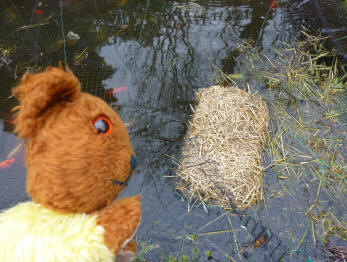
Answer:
x=78 y=152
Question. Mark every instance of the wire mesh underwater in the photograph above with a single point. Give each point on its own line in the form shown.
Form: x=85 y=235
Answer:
x=146 y=58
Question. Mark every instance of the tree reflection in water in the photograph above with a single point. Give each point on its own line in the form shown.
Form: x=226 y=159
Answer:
x=161 y=51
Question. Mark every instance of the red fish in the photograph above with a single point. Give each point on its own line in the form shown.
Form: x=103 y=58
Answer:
x=7 y=118
x=38 y=11
x=117 y=90
x=245 y=1
x=180 y=26
x=6 y=163
x=10 y=121
x=274 y=4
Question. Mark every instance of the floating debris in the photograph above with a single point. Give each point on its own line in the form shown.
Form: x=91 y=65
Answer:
x=81 y=57
x=191 y=7
x=15 y=150
x=306 y=87
x=5 y=54
x=45 y=22
x=124 y=26
x=72 y=36
x=260 y=240
x=5 y=61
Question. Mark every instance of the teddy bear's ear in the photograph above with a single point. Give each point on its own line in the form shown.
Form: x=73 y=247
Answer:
x=39 y=92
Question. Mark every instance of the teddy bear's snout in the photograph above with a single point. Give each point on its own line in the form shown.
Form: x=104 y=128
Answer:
x=133 y=165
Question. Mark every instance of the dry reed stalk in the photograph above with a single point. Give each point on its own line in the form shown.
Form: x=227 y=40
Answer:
x=336 y=253
x=222 y=155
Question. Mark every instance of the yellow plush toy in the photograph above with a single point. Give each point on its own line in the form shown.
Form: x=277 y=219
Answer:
x=78 y=158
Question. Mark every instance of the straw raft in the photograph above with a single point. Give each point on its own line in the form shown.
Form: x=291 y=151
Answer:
x=221 y=160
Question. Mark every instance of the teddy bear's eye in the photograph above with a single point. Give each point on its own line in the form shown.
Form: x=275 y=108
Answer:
x=103 y=125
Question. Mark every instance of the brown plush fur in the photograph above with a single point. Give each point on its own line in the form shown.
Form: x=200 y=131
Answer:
x=128 y=211
x=70 y=166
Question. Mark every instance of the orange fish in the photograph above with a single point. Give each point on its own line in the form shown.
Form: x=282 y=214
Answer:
x=117 y=90
x=6 y=163
x=10 y=121
x=38 y=11
x=274 y=4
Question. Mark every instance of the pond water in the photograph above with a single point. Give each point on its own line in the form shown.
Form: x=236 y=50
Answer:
x=156 y=53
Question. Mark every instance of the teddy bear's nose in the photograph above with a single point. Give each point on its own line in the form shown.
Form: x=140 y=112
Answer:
x=133 y=162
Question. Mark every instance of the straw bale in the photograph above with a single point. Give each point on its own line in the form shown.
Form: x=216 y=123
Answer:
x=224 y=144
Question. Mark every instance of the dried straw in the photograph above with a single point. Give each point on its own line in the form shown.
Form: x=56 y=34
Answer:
x=336 y=253
x=222 y=156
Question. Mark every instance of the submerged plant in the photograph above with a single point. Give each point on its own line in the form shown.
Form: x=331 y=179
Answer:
x=306 y=94
x=145 y=249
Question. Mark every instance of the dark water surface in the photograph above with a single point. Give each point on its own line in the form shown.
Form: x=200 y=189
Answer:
x=157 y=53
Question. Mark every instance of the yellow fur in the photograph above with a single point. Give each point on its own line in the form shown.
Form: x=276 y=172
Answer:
x=32 y=233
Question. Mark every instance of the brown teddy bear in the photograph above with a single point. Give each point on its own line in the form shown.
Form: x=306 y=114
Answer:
x=78 y=159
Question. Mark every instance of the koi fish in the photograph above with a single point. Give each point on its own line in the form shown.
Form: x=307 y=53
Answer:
x=5 y=115
x=10 y=121
x=7 y=118
x=180 y=26
x=38 y=11
x=245 y=1
x=274 y=4
x=6 y=163
x=117 y=90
